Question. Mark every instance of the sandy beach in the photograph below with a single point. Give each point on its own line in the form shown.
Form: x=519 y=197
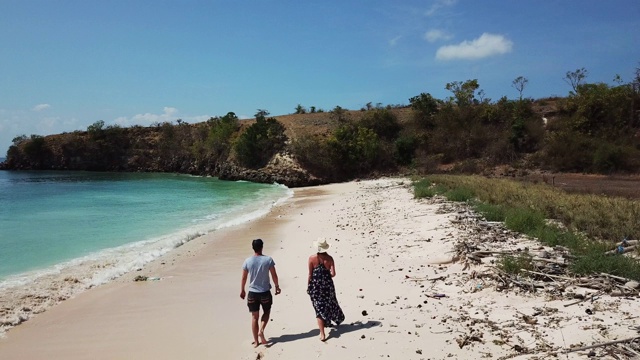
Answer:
x=403 y=293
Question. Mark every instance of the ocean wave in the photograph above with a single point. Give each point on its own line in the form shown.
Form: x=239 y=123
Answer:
x=23 y=295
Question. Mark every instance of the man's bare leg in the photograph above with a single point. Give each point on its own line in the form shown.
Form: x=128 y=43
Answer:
x=263 y=324
x=254 y=327
x=323 y=337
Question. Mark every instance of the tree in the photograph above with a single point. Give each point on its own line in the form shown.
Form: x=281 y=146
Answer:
x=575 y=78
x=354 y=149
x=383 y=122
x=339 y=114
x=19 y=139
x=220 y=133
x=519 y=84
x=425 y=107
x=300 y=109
x=482 y=95
x=96 y=127
x=260 y=141
x=463 y=92
x=618 y=79
x=261 y=113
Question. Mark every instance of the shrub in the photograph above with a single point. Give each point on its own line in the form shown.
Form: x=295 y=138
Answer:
x=354 y=149
x=313 y=154
x=461 y=194
x=220 y=133
x=515 y=264
x=405 y=148
x=425 y=107
x=608 y=158
x=260 y=141
x=524 y=220
x=383 y=122
x=594 y=261
x=37 y=151
x=490 y=212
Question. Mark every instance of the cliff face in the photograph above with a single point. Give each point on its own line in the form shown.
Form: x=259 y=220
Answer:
x=282 y=169
x=178 y=149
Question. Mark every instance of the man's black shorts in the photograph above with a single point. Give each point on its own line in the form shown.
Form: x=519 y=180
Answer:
x=254 y=300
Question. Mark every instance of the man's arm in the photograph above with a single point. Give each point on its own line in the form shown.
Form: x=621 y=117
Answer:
x=243 y=283
x=274 y=276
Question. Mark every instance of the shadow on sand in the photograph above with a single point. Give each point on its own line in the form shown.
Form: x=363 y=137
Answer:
x=334 y=332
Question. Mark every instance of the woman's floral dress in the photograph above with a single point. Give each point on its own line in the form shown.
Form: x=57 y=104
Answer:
x=323 y=296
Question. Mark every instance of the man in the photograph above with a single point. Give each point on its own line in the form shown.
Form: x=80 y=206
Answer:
x=257 y=268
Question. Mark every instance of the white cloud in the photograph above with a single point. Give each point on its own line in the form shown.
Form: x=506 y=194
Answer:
x=439 y=4
x=435 y=35
x=394 y=41
x=41 y=107
x=169 y=114
x=484 y=46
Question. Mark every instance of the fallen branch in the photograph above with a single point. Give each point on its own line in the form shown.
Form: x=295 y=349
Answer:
x=621 y=250
x=586 y=298
x=427 y=279
x=561 y=263
x=549 y=275
x=624 y=280
x=600 y=345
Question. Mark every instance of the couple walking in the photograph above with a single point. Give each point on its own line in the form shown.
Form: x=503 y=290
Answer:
x=259 y=268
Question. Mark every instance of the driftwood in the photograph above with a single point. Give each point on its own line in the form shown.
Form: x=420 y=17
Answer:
x=600 y=345
x=550 y=261
x=549 y=275
x=586 y=298
x=543 y=267
x=628 y=242
x=621 y=250
x=624 y=246
x=533 y=267
x=624 y=280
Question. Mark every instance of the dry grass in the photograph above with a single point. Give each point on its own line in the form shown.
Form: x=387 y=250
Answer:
x=594 y=223
x=600 y=217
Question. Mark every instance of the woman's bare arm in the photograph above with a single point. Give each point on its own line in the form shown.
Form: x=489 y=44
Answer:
x=333 y=268
x=310 y=265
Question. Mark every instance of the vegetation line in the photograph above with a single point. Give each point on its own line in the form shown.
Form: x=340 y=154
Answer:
x=589 y=225
x=595 y=129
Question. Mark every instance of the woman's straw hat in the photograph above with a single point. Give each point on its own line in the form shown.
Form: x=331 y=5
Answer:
x=322 y=245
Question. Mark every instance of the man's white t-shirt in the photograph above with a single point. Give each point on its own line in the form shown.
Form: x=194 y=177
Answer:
x=258 y=268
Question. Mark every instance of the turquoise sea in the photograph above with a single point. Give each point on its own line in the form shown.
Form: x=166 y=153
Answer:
x=53 y=221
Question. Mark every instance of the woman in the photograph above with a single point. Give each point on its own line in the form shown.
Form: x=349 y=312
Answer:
x=320 y=288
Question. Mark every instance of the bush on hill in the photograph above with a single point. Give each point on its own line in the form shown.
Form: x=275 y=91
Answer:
x=260 y=141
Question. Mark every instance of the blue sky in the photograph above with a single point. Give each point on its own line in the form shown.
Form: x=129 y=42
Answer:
x=67 y=64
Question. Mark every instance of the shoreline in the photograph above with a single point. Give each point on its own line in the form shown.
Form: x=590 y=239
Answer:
x=403 y=293
x=27 y=294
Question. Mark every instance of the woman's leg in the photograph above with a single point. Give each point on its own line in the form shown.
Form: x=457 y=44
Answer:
x=323 y=337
